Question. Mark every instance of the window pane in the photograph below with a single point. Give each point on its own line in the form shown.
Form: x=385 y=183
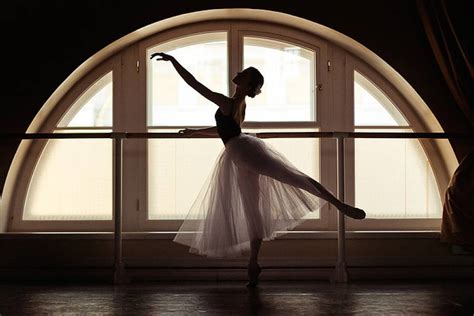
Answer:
x=93 y=108
x=394 y=179
x=372 y=107
x=72 y=181
x=288 y=92
x=171 y=101
x=177 y=169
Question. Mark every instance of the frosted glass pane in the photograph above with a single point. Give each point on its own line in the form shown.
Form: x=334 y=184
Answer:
x=288 y=92
x=72 y=181
x=93 y=108
x=393 y=179
x=372 y=107
x=171 y=101
x=177 y=169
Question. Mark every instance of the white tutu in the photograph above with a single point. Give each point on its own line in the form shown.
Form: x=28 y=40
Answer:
x=252 y=191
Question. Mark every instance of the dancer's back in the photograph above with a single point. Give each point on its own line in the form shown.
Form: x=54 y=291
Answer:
x=227 y=127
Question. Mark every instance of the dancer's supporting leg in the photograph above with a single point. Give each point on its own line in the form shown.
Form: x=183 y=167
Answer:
x=249 y=186
x=265 y=164
x=255 y=244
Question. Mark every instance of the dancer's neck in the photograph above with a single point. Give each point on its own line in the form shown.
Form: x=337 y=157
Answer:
x=239 y=95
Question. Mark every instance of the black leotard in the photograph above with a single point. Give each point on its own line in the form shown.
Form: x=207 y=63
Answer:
x=226 y=126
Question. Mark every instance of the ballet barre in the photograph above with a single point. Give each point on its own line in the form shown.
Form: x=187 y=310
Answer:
x=340 y=273
x=129 y=135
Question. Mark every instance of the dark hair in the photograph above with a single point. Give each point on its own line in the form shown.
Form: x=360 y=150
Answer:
x=256 y=79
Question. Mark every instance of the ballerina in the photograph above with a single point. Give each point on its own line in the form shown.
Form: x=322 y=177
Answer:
x=253 y=190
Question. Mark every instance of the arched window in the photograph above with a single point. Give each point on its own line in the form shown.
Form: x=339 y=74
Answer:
x=311 y=84
x=58 y=189
x=393 y=177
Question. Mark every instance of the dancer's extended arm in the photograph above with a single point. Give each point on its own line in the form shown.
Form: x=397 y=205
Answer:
x=219 y=99
x=207 y=131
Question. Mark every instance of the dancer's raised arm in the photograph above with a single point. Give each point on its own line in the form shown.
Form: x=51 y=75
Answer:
x=219 y=99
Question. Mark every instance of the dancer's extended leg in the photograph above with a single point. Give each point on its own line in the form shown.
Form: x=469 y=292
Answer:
x=265 y=164
x=269 y=166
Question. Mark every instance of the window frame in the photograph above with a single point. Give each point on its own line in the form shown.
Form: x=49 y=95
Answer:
x=236 y=31
x=414 y=123
x=34 y=149
x=129 y=93
x=317 y=72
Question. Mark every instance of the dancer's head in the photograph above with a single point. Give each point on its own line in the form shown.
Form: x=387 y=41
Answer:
x=250 y=80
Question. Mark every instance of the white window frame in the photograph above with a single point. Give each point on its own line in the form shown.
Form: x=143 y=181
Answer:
x=368 y=224
x=236 y=32
x=334 y=113
x=34 y=148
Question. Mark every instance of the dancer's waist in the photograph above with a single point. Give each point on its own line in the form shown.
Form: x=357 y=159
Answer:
x=239 y=136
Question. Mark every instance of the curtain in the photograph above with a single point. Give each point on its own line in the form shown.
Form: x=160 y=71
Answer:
x=458 y=209
x=450 y=50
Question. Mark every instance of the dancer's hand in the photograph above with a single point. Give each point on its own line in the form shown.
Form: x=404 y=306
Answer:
x=164 y=56
x=186 y=132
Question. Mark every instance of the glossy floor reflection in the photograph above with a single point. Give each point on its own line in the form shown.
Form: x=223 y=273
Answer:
x=232 y=297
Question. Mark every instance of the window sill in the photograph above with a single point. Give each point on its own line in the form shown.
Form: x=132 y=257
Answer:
x=170 y=235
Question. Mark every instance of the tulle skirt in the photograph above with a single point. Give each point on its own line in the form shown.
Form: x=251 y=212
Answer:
x=253 y=191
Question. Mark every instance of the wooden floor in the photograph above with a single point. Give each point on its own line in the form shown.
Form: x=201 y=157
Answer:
x=233 y=298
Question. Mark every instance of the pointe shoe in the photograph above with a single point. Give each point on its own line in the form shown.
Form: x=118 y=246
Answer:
x=353 y=212
x=253 y=272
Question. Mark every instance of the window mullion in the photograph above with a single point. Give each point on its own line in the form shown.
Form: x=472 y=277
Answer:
x=335 y=116
x=132 y=110
x=234 y=53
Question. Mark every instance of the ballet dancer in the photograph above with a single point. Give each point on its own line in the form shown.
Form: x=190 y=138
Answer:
x=253 y=190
